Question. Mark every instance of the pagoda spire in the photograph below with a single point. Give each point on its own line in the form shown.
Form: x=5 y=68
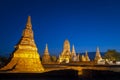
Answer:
x=98 y=50
x=46 y=57
x=83 y=58
x=46 y=52
x=98 y=55
x=73 y=51
x=73 y=54
x=27 y=36
x=86 y=56
x=29 y=25
x=25 y=57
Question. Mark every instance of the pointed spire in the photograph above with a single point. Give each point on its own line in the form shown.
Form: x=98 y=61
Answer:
x=98 y=56
x=86 y=56
x=46 y=50
x=73 y=51
x=73 y=54
x=27 y=35
x=83 y=58
x=29 y=25
x=98 y=50
x=46 y=57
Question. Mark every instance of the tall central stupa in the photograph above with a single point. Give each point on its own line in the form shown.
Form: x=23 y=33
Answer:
x=66 y=54
x=25 y=57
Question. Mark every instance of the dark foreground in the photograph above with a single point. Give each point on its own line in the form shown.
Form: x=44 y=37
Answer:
x=63 y=75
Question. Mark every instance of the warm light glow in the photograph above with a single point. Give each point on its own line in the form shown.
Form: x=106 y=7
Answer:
x=25 y=58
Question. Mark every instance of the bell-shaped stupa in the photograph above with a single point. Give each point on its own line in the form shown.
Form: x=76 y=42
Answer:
x=25 y=57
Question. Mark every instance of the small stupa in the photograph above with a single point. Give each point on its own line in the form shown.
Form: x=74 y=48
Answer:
x=78 y=57
x=83 y=58
x=65 y=56
x=86 y=56
x=73 y=54
x=25 y=57
x=46 y=57
x=98 y=55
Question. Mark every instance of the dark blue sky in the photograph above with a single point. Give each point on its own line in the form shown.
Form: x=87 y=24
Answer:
x=85 y=23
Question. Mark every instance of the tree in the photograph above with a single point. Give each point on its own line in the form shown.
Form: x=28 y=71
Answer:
x=112 y=55
x=3 y=60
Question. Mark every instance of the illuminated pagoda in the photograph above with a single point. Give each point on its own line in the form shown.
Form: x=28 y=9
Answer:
x=46 y=57
x=78 y=57
x=65 y=56
x=83 y=58
x=98 y=56
x=73 y=54
x=25 y=57
x=86 y=56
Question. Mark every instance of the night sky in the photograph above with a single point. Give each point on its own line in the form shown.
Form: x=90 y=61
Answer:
x=85 y=23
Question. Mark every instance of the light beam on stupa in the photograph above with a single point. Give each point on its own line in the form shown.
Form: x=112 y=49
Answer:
x=25 y=57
